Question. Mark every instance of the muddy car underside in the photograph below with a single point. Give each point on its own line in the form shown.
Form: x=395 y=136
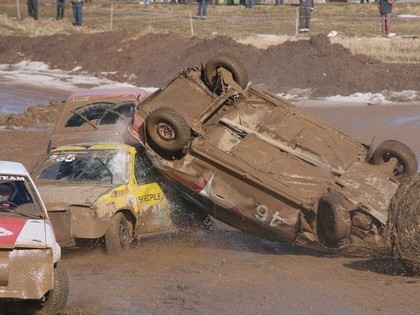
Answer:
x=258 y=163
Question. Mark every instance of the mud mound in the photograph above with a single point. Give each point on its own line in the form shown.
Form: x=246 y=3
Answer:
x=153 y=59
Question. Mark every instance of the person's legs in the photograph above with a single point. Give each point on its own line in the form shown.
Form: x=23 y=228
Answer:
x=30 y=8
x=35 y=9
x=199 y=7
x=307 y=18
x=387 y=23
x=79 y=13
x=204 y=7
x=302 y=18
x=60 y=9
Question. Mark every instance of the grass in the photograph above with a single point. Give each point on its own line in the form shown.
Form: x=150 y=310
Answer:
x=358 y=25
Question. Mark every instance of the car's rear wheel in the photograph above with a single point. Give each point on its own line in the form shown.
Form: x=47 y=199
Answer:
x=333 y=217
x=167 y=131
x=119 y=235
x=230 y=63
x=56 y=299
x=407 y=162
x=404 y=222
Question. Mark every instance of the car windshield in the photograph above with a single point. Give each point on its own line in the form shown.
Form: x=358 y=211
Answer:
x=101 y=113
x=102 y=166
x=17 y=197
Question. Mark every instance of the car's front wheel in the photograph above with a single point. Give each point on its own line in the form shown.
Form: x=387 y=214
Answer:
x=119 y=235
x=56 y=299
x=404 y=221
x=167 y=131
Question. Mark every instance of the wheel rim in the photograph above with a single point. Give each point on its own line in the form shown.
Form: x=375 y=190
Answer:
x=123 y=233
x=166 y=131
x=399 y=168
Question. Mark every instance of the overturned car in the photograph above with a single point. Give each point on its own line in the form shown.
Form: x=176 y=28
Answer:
x=256 y=162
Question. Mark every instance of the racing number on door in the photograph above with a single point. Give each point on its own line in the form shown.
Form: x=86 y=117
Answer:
x=263 y=214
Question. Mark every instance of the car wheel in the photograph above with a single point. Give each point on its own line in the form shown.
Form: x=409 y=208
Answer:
x=167 y=130
x=407 y=161
x=119 y=235
x=230 y=63
x=56 y=299
x=334 y=217
x=403 y=223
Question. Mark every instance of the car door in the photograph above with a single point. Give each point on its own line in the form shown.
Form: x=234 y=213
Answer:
x=155 y=213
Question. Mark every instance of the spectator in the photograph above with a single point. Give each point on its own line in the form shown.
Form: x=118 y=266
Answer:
x=33 y=9
x=60 y=9
x=202 y=9
x=305 y=10
x=249 y=3
x=77 y=6
x=385 y=9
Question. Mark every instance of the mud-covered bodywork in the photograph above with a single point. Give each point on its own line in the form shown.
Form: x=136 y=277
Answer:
x=104 y=190
x=29 y=253
x=258 y=163
x=100 y=115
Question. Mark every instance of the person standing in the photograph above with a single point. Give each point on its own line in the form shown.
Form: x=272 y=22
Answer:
x=305 y=10
x=202 y=9
x=60 y=9
x=33 y=9
x=249 y=4
x=385 y=9
x=77 y=6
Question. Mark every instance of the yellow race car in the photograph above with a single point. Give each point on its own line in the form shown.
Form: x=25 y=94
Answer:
x=105 y=191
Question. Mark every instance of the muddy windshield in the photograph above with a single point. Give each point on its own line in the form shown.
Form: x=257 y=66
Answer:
x=17 y=198
x=102 y=166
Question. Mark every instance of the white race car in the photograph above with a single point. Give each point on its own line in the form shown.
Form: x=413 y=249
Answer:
x=29 y=253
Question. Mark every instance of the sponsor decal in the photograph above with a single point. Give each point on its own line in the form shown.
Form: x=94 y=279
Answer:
x=12 y=178
x=10 y=229
x=150 y=197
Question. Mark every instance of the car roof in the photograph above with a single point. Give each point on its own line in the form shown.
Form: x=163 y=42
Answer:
x=115 y=92
x=94 y=146
x=13 y=168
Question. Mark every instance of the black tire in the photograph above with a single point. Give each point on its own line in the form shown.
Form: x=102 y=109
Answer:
x=230 y=63
x=403 y=223
x=407 y=162
x=56 y=299
x=334 y=217
x=167 y=130
x=119 y=235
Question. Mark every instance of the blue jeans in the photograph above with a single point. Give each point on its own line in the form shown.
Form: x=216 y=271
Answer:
x=33 y=9
x=78 y=13
x=202 y=7
x=60 y=8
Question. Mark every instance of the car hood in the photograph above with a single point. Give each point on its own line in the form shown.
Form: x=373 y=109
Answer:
x=25 y=233
x=60 y=197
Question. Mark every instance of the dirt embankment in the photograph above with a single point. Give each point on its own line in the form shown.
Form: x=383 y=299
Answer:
x=153 y=59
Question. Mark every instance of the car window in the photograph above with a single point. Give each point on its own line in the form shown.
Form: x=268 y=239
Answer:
x=18 y=197
x=100 y=113
x=104 y=166
x=144 y=170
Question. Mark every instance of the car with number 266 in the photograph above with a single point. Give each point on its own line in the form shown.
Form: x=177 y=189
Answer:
x=104 y=192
